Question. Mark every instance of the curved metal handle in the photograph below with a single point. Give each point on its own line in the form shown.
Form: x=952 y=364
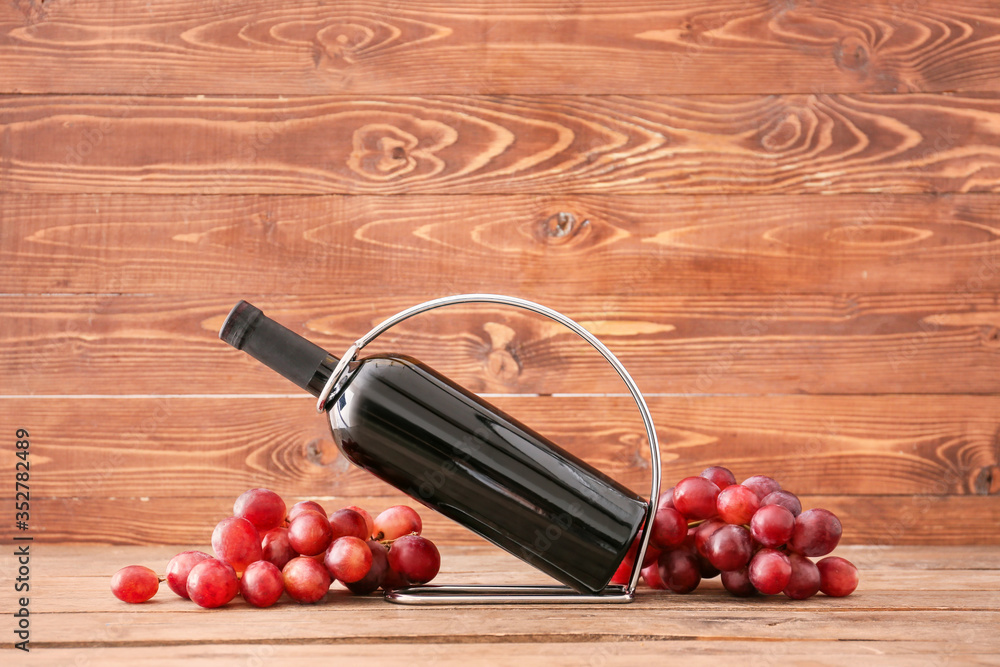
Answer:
x=654 y=447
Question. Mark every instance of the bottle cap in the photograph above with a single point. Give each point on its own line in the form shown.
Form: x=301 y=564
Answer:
x=280 y=349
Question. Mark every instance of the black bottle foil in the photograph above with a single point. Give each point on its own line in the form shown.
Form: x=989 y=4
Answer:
x=457 y=454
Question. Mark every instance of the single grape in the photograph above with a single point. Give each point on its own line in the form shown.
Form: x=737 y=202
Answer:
x=134 y=584
x=348 y=559
x=786 y=499
x=392 y=580
x=347 y=522
x=306 y=580
x=669 y=529
x=651 y=575
x=310 y=534
x=737 y=503
x=179 y=567
x=376 y=573
x=261 y=584
x=305 y=506
x=369 y=522
x=395 y=522
x=275 y=547
x=805 y=578
x=762 y=485
x=817 y=532
x=651 y=555
x=237 y=542
x=705 y=531
x=666 y=499
x=729 y=548
x=695 y=497
x=415 y=558
x=705 y=567
x=679 y=570
x=837 y=576
x=738 y=583
x=721 y=477
x=772 y=525
x=212 y=583
x=770 y=571
x=262 y=507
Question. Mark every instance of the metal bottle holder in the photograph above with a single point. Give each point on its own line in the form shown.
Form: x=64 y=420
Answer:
x=543 y=594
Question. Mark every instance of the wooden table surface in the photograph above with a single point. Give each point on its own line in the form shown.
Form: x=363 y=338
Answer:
x=914 y=606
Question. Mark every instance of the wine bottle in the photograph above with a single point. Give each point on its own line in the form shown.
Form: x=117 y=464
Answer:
x=457 y=454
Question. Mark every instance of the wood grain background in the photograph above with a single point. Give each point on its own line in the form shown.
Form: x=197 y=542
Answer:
x=784 y=217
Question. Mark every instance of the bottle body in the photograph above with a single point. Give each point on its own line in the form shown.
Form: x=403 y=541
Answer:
x=466 y=459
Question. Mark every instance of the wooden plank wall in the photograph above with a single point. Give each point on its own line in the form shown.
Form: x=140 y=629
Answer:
x=784 y=216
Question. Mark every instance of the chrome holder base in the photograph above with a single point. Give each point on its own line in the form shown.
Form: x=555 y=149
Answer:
x=484 y=594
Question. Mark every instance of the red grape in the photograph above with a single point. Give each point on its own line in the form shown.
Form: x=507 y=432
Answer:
x=705 y=531
x=816 y=533
x=395 y=522
x=262 y=507
x=348 y=522
x=651 y=575
x=762 y=485
x=306 y=579
x=415 y=558
x=695 y=497
x=666 y=499
x=770 y=571
x=179 y=567
x=275 y=547
x=805 y=579
x=262 y=584
x=669 y=529
x=376 y=574
x=737 y=503
x=705 y=567
x=786 y=499
x=237 y=542
x=729 y=548
x=393 y=580
x=212 y=583
x=309 y=533
x=772 y=525
x=679 y=570
x=738 y=583
x=348 y=559
x=305 y=506
x=369 y=522
x=837 y=576
x=721 y=477
x=134 y=584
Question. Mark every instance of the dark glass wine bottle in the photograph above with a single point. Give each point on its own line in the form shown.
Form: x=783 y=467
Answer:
x=457 y=454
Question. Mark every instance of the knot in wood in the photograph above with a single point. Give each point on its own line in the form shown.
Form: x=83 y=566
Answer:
x=852 y=53
x=560 y=228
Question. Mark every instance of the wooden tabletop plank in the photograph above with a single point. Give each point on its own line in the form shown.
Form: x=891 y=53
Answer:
x=877 y=613
x=700 y=652
x=802 y=143
x=490 y=46
x=544 y=246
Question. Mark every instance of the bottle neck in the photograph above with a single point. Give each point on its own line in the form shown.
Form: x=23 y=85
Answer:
x=280 y=349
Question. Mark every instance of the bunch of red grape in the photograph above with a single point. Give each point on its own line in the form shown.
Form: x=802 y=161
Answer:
x=262 y=552
x=754 y=534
